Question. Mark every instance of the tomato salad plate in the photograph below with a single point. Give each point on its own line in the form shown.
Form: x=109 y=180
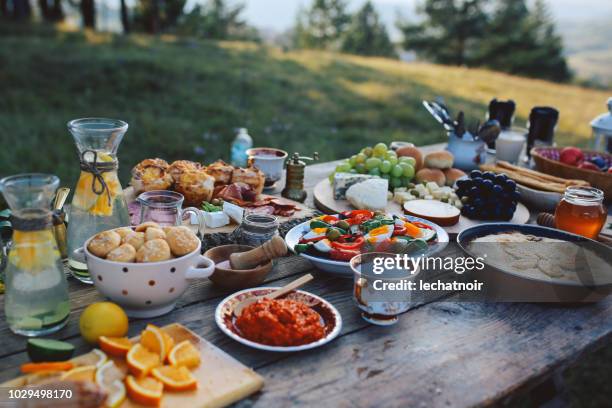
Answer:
x=297 y=321
x=330 y=241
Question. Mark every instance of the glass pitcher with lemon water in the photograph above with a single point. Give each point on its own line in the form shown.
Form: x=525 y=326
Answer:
x=98 y=203
x=36 y=301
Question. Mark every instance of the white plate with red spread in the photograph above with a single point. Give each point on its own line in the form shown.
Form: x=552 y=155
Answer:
x=330 y=318
x=437 y=239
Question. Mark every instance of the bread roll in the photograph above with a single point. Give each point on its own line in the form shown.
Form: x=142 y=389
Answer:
x=221 y=171
x=439 y=160
x=411 y=151
x=195 y=186
x=151 y=174
x=453 y=175
x=179 y=167
x=435 y=175
x=251 y=176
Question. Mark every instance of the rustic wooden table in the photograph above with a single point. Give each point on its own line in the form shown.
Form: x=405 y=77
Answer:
x=439 y=354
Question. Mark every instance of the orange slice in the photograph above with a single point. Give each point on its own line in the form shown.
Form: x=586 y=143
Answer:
x=169 y=342
x=110 y=378
x=184 y=354
x=83 y=373
x=116 y=346
x=145 y=391
x=141 y=361
x=153 y=339
x=175 y=378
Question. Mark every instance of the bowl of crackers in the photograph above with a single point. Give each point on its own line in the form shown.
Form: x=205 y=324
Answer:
x=145 y=268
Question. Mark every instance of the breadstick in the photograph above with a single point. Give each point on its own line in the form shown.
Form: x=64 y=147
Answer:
x=525 y=180
x=542 y=176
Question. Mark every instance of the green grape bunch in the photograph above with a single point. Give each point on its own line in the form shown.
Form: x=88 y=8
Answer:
x=379 y=161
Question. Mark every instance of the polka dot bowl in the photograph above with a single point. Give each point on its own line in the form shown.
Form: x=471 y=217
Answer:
x=149 y=289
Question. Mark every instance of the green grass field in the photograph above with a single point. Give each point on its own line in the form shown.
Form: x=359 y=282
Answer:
x=183 y=98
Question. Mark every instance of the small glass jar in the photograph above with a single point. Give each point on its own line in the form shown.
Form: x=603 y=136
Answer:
x=581 y=211
x=257 y=229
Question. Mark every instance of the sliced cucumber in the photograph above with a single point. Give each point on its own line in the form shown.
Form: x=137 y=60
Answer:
x=49 y=350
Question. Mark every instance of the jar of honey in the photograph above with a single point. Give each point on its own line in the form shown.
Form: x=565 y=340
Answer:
x=581 y=211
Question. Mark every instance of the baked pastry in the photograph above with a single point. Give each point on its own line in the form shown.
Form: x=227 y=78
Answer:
x=195 y=186
x=123 y=231
x=250 y=176
x=182 y=241
x=103 y=243
x=453 y=175
x=123 y=253
x=151 y=174
x=143 y=227
x=156 y=250
x=439 y=160
x=221 y=171
x=179 y=167
x=435 y=175
x=135 y=239
x=414 y=152
x=154 y=233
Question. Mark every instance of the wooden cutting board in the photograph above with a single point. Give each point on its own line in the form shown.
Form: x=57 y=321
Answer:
x=324 y=200
x=302 y=212
x=222 y=380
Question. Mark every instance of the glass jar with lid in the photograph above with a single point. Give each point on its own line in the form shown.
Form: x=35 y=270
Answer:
x=257 y=229
x=581 y=211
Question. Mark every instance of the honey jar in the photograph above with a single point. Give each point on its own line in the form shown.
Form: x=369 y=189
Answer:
x=581 y=211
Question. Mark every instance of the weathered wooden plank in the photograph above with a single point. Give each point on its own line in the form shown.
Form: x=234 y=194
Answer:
x=201 y=290
x=441 y=354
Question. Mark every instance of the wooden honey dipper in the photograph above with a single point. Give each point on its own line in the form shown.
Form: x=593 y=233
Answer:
x=548 y=220
x=274 y=248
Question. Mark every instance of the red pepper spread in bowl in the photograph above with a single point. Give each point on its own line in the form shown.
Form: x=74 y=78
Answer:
x=280 y=322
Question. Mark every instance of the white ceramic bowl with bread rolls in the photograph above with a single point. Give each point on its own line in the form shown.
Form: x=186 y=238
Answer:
x=147 y=288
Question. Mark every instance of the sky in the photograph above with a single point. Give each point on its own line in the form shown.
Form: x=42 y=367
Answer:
x=280 y=14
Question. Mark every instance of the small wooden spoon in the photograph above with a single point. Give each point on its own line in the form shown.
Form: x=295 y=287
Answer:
x=277 y=293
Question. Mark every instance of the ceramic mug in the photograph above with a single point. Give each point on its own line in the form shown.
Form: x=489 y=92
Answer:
x=270 y=161
x=469 y=154
x=148 y=289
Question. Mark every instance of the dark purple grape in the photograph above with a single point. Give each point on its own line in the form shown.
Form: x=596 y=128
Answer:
x=501 y=179
x=487 y=185
x=498 y=190
x=510 y=185
x=475 y=173
x=477 y=202
x=477 y=181
x=515 y=196
x=473 y=192
x=489 y=176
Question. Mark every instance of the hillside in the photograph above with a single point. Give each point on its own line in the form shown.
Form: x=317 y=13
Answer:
x=183 y=98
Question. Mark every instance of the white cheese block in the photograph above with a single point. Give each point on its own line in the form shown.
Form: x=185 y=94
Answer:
x=369 y=194
x=233 y=211
x=216 y=219
x=342 y=182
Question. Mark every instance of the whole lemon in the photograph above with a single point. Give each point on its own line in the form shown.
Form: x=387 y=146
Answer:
x=103 y=319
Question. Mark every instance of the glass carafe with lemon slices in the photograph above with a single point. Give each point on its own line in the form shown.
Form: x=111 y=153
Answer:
x=98 y=203
x=36 y=301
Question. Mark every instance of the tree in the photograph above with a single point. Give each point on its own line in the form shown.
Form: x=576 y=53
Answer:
x=88 y=13
x=217 y=20
x=322 y=25
x=51 y=10
x=154 y=16
x=16 y=9
x=125 y=19
x=448 y=32
x=366 y=35
x=522 y=41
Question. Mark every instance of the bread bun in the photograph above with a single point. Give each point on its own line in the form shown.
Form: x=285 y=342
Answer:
x=179 y=167
x=453 y=175
x=103 y=243
x=411 y=151
x=151 y=174
x=435 y=175
x=439 y=160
